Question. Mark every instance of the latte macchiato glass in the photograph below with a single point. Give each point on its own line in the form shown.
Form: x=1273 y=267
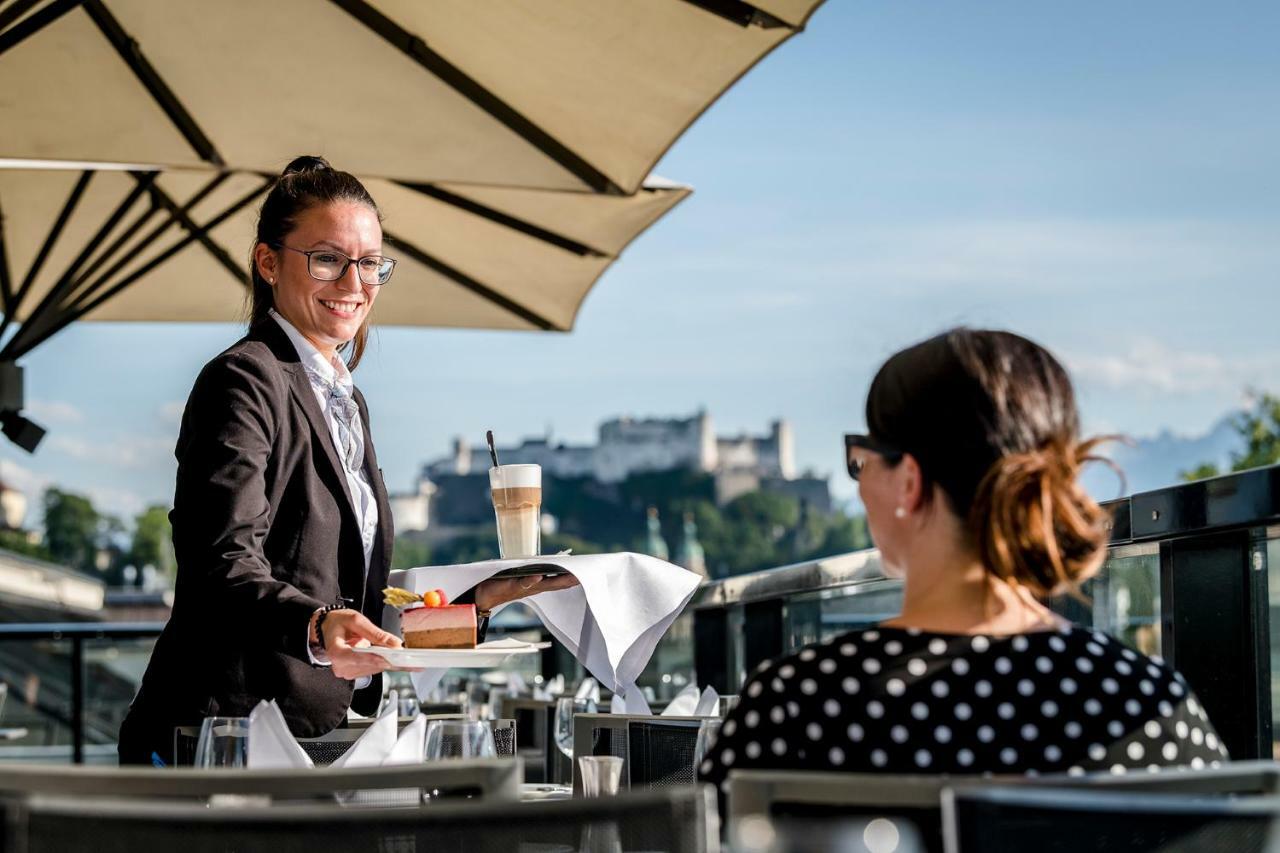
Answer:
x=517 y=504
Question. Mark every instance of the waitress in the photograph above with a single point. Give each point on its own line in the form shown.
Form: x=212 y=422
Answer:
x=281 y=525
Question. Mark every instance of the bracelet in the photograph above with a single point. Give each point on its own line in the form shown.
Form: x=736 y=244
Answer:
x=325 y=611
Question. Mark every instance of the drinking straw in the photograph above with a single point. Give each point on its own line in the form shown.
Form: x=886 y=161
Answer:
x=493 y=452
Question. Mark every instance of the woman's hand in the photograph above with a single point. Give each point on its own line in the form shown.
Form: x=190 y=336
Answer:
x=496 y=591
x=344 y=629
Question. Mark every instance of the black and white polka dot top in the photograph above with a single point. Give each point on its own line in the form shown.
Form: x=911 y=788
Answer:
x=905 y=701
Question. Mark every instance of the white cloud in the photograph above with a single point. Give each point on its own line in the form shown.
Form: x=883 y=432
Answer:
x=54 y=412
x=171 y=412
x=1150 y=366
x=130 y=451
x=122 y=503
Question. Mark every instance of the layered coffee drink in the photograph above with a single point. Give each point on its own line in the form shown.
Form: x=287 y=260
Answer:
x=517 y=505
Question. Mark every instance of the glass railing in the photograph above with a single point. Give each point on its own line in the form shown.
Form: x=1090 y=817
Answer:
x=1192 y=574
x=69 y=686
x=1188 y=576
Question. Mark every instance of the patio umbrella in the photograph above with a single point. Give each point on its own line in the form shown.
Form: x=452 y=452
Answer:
x=550 y=94
x=172 y=246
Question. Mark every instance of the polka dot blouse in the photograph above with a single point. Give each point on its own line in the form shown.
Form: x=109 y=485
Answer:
x=906 y=701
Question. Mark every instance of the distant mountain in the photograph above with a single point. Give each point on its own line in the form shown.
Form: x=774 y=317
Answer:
x=1155 y=462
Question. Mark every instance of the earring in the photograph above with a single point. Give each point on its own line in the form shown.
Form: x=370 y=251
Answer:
x=899 y=513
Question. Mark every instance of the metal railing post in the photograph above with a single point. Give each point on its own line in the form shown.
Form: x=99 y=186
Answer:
x=77 y=700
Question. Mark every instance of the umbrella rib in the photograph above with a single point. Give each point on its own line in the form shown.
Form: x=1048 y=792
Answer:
x=77 y=313
x=47 y=312
x=457 y=79
x=130 y=51
x=201 y=232
x=33 y=24
x=55 y=232
x=740 y=13
x=93 y=287
x=509 y=221
x=466 y=281
x=17 y=8
x=6 y=280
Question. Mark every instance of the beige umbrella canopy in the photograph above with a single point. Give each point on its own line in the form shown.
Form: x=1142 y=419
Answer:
x=550 y=94
x=174 y=246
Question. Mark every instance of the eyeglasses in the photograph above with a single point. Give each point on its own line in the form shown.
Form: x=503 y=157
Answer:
x=857 y=441
x=331 y=265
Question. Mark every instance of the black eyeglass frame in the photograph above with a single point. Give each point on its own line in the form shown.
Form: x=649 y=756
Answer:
x=348 y=260
x=860 y=441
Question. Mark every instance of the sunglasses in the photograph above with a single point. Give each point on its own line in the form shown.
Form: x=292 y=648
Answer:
x=857 y=441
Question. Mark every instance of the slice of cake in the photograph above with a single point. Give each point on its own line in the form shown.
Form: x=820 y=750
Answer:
x=429 y=621
x=447 y=626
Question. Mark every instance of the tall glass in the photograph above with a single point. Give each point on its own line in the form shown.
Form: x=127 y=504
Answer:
x=517 y=507
x=224 y=742
x=567 y=708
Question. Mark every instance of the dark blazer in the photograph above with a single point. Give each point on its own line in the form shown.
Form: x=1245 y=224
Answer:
x=264 y=534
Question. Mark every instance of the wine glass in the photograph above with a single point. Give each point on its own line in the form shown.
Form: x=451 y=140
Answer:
x=567 y=707
x=224 y=742
x=457 y=739
x=707 y=734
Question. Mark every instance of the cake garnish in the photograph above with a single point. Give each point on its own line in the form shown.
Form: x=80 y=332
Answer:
x=402 y=598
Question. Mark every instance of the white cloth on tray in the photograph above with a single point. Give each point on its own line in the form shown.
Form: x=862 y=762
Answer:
x=611 y=623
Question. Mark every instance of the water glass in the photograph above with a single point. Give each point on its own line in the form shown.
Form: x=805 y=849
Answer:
x=567 y=708
x=456 y=739
x=707 y=734
x=224 y=742
x=601 y=775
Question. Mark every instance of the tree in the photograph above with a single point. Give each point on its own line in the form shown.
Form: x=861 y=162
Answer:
x=17 y=542
x=1259 y=427
x=71 y=529
x=152 y=543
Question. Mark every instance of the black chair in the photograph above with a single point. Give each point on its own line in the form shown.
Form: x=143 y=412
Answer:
x=610 y=734
x=816 y=797
x=679 y=821
x=660 y=752
x=535 y=734
x=487 y=777
x=1058 y=820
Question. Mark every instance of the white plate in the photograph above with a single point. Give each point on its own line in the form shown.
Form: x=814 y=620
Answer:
x=482 y=656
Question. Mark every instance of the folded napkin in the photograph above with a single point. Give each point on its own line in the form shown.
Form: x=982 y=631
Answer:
x=271 y=744
x=689 y=703
x=555 y=686
x=632 y=703
x=372 y=748
x=411 y=746
x=611 y=623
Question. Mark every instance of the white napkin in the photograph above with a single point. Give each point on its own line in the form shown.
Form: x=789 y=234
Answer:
x=632 y=703
x=556 y=685
x=708 y=703
x=611 y=623
x=271 y=744
x=684 y=703
x=516 y=685
x=588 y=689
x=411 y=746
x=372 y=748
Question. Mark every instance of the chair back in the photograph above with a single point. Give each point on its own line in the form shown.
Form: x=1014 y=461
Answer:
x=486 y=777
x=1055 y=820
x=680 y=821
x=611 y=734
x=814 y=797
x=534 y=733
x=660 y=752
x=1233 y=778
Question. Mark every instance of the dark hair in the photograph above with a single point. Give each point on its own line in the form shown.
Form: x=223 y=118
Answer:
x=991 y=419
x=305 y=182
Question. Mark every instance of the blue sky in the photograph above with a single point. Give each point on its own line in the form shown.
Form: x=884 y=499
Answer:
x=1101 y=177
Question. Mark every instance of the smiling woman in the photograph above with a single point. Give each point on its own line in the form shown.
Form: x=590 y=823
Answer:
x=281 y=525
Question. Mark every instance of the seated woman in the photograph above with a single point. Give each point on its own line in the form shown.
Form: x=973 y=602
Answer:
x=969 y=479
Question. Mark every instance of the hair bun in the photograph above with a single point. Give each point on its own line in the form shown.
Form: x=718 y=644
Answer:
x=304 y=164
x=1034 y=523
